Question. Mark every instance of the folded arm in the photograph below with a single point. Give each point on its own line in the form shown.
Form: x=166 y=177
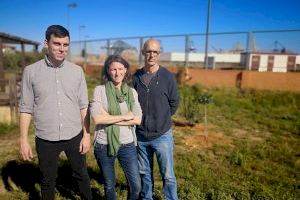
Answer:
x=106 y=118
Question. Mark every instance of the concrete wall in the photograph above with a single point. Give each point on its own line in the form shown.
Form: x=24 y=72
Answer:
x=280 y=63
x=298 y=60
x=199 y=57
x=263 y=63
x=289 y=81
x=213 y=78
x=280 y=60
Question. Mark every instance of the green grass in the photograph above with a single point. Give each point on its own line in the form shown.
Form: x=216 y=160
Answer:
x=276 y=112
x=91 y=83
x=252 y=150
x=6 y=128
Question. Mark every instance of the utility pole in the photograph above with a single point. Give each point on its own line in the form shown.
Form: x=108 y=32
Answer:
x=207 y=34
x=70 y=5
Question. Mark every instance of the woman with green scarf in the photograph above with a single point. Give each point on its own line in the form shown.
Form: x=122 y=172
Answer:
x=115 y=110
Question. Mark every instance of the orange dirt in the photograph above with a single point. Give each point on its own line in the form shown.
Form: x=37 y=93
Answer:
x=200 y=140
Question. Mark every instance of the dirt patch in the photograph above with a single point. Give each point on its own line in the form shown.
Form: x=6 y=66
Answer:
x=205 y=139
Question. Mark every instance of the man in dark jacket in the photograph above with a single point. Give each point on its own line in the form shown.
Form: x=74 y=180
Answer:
x=158 y=96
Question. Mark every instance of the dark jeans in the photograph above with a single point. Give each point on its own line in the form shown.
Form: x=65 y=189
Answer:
x=48 y=154
x=127 y=157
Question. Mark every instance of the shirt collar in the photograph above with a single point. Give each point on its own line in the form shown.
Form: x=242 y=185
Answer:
x=48 y=62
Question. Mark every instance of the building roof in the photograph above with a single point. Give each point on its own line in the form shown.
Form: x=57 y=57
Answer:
x=12 y=39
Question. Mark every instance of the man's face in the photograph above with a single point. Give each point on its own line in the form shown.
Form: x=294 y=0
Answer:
x=57 y=48
x=151 y=53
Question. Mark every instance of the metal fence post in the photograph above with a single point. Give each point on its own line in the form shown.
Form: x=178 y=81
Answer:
x=140 y=53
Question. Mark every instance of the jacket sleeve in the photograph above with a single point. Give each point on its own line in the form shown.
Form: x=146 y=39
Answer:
x=173 y=95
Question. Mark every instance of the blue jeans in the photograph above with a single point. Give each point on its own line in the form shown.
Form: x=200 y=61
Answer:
x=127 y=157
x=163 y=149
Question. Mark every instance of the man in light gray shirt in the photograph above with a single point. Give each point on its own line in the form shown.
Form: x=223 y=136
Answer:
x=54 y=92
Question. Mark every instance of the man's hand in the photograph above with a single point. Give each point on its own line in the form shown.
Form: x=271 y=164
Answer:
x=85 y=143
x=25 y=150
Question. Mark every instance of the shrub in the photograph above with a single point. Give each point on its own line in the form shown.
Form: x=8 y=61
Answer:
x=13 y=60
x=189 y=104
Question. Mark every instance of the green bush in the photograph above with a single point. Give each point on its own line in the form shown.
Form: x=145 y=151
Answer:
x=190 y=108
x=13 y=60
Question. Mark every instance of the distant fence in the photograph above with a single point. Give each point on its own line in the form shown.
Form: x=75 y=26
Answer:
x=276 y=41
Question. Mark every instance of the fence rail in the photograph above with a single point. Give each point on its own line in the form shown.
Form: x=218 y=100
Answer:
x=9 y=96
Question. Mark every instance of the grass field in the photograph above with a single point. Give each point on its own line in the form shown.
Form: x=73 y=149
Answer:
x=250 y=150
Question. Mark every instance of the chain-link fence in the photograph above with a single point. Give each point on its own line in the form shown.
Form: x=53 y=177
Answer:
x=188 y=49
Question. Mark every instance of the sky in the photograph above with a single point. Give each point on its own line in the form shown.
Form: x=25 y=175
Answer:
x=126 y=18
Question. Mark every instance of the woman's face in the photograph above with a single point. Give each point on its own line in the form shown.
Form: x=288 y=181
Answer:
x=117 y=72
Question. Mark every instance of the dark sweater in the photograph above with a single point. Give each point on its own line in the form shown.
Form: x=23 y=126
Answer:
x=159 y=102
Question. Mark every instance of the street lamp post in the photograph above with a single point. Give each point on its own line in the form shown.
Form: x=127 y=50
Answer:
x=79 y=34
x=207 y=33
x=70 y=5
x=85 y=52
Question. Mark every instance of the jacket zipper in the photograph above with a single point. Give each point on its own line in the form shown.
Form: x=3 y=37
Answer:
x=147 y=103
x=147 y=97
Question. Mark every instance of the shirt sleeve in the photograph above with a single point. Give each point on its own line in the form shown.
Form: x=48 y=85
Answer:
x=96 y=102
x=136 y=110
x=83 y=95
x=27 y=96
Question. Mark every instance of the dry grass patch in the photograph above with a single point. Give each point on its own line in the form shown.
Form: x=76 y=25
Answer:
x=198 y=139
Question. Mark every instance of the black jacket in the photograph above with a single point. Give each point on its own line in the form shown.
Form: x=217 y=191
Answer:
x=159 y=102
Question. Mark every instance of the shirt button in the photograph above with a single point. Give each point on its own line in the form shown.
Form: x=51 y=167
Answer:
x=60 y=114
x=57 y=92
x=61 y=125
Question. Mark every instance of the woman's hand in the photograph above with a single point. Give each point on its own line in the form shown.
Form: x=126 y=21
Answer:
x=128 y=116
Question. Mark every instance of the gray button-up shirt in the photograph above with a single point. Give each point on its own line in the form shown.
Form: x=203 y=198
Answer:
x=54 y=95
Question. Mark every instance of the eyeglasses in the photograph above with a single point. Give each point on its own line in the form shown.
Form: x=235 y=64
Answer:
x=149 y=52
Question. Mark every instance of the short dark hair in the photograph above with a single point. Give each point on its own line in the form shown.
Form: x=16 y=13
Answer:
x=57 y=31
x=115 y=58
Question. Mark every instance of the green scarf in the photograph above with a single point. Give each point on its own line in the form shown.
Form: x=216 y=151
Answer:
x=114 y=97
